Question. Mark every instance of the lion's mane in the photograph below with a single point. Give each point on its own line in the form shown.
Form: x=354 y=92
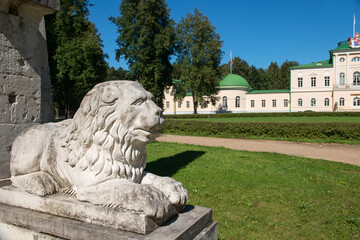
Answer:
x=96 y=140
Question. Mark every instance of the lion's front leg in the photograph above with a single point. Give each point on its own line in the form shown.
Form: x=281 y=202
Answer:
x=172 y=189
x=130 y=196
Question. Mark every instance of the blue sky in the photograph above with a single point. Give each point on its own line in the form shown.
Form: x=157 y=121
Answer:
x=258 y=31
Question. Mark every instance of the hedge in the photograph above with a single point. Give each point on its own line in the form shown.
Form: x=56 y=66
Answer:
x=283 y=114
x=323 y=132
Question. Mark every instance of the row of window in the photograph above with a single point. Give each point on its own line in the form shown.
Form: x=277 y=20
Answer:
x=263 y=103
x=356 y=80
x=313 y=82
x=237 y=102
x=167 y=104
x=355 y=59
x=356 y=102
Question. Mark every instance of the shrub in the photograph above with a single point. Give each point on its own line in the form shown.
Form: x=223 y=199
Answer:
x=326 y=132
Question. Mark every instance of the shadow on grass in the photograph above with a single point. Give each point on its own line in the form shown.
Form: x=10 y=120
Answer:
x=170 y=165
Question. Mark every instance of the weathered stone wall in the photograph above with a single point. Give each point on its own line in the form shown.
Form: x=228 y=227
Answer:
x=25 y=88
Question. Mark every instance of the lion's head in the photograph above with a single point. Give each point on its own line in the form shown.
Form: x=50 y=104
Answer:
x=110 y=130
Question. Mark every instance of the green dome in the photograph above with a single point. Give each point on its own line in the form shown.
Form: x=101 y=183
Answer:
x=234 y=81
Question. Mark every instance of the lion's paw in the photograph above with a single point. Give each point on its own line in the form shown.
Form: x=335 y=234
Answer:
x=175 y=191
x=155 y=203
x=39 y=183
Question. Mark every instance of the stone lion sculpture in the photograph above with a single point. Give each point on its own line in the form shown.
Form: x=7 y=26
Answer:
x=99 y=156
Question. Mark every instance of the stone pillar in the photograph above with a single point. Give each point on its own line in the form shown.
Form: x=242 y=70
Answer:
x=25 y=88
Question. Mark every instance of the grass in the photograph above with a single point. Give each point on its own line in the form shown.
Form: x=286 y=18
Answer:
x=323 y=119
x=265 y=195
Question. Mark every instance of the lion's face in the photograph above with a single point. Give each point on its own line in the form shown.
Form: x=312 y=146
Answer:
x=112 y=127
x=140 y=114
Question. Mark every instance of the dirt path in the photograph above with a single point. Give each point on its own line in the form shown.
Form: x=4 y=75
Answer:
x=328 y=151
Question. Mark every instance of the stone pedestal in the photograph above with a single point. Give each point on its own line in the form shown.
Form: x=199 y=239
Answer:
x=25 y=88
x=27 y=216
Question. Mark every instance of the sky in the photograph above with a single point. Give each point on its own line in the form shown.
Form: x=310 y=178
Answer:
x=259 y=32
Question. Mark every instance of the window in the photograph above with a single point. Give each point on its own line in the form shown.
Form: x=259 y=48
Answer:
x=167 y=104
x=263 y=103
x=342 y=79
x=187 y=104
x=179 y=104
x=167 y=90
x=274 y=102
x=342 y=102
x=225 y=102
x=355 y=59
x=327 y=81
x=252 y=103
x=300 y=102
x=356 y=102
x=237 y=102
x=313 y=102
x=300 y=82
x=356 y=81
x=313 y=81
x=327 y=102
x=286 y=102
x=342 y=59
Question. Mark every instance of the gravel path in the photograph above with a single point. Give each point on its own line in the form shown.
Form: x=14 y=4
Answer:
x=328 y=151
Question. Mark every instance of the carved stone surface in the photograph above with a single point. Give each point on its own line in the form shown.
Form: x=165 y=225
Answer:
x=25 y=89
x=194 y=223
x=99 y=156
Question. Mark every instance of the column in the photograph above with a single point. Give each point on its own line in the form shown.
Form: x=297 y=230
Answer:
x=347 y=79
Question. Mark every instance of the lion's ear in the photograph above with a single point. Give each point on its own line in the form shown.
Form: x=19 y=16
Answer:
x=110 y=94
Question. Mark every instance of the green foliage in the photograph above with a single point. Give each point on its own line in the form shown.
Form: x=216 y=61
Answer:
x=265 y=195
x=262 y=115
x=272 y=76
x=117 y=74
x=291 y=131
x=284 y=74
x=75 y=52
x=146 y=40
x=199 y=56
x=261 y=79
x=258 y=78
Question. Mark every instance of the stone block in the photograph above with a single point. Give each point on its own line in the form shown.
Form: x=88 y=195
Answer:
x=194 y=223
x=8 y=132
x=69 y=207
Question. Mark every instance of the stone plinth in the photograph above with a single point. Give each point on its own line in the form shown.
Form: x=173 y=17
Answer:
x=25 y=89
x=63 y=217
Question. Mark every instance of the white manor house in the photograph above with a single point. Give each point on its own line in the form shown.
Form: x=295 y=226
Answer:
x=329 y=85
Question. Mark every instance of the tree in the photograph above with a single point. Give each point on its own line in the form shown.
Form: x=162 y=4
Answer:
x=273 y=76
x=259 y=79
x=76 y=58
x=284 y=74
x=242 y=68
x=146 y=40
x=199 y=56
x=117 y=74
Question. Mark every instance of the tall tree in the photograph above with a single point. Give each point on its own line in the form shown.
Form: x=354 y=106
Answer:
x=258 y=77
x=199 y=56
x=242 y=68
x=146 y=40
x=273 y=73
x=117 y=74
x=75 y=52
x=284 y=74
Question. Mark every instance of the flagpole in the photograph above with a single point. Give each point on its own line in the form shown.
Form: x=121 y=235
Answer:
x=231 y=63
x=354 y=26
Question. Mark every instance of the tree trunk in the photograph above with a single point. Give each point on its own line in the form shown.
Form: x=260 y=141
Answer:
x=194 y=102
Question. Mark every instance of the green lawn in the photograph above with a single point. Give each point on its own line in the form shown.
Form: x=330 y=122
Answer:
x=321 y=119
x=265 y=195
